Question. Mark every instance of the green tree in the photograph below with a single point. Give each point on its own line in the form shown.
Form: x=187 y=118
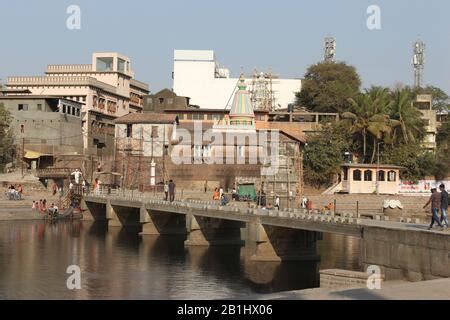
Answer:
x=6 y=139
x=417 y=164
x=324 y=154
x=326 y=87
x=412 y=128
x=443 y=151
x=370 y=120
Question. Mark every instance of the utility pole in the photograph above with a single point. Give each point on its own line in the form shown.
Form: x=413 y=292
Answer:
x=23 y=154
x=378 y=168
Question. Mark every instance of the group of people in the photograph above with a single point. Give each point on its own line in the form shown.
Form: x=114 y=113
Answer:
x=169 y=191
x=219 y=195
x=40 y=206
x=13 y=193
x=439 y=202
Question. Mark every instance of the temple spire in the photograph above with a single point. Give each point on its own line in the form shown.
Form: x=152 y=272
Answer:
x=241 y=112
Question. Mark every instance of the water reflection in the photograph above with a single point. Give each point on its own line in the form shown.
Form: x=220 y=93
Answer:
x=117 y=263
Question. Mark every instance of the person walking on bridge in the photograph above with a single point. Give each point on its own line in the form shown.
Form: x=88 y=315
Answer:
x=166 y=191
x=444 y=204
x=435 y=201
x=171 y=191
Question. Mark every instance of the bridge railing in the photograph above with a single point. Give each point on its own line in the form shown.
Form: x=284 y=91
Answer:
x=135 y=195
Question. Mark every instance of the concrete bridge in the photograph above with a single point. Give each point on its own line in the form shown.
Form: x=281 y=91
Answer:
x=402 y=250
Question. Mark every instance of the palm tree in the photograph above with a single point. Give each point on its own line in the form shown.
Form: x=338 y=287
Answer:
x=369 y=117
x=410 y=118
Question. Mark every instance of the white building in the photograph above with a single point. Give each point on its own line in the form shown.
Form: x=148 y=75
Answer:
x=197 y=75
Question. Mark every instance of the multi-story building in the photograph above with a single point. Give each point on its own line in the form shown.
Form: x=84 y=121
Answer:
x=196 y=75
x=107 y=88
x=424 y=103
x=44 y=127
x=151 y=145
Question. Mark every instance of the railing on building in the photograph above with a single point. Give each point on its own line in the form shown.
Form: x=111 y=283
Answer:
x=61 y=68
x=60 y=80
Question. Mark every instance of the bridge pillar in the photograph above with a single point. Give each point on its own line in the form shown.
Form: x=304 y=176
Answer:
x=272 y=243
x=156 y=223
x=93 y=211
x=205 y=231
x=111 y=215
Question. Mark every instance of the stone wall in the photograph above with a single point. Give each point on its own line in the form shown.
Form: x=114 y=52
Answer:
x=407 y=254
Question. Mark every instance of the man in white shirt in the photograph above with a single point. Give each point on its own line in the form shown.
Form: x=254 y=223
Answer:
x=77 y=173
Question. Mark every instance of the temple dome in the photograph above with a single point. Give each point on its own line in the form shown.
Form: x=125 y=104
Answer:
x=241 y=112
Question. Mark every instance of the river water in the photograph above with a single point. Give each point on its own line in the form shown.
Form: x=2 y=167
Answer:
x=119 y=264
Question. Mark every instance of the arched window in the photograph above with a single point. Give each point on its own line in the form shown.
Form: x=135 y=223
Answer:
x=357 y=175
x=392 y=176
x=368 y=175
x=381 y=175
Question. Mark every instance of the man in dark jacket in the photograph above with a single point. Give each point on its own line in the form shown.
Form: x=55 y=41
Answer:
x=444 y=204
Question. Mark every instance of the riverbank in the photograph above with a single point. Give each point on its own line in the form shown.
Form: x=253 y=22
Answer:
x=438 y=289
x=11 y=214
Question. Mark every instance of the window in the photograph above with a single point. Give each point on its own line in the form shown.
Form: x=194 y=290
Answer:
x=169 y=100
x=381 y=176
x=241 y=151
x=73 y=111
x=198 y=116
x=215 y=116
x=129 y=130
x=22 y=128
x=368 y=175
x=154 y=132
x=161 y=100
x=392 y=176
x=23 y=107
x=104 y=64
x=345 y=174
x=120 y=65
x=357 y=175
x=78 y=112
x=39 y=107
x=64 y=108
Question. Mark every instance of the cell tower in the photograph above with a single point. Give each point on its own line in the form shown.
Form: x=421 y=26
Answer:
x=261 y=93
x=418 y=62
x=330 y=49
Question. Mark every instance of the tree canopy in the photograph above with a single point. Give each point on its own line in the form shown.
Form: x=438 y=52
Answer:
x=5 y=136
x=327 y=86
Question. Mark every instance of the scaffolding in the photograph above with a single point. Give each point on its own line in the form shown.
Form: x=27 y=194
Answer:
x=262 y=94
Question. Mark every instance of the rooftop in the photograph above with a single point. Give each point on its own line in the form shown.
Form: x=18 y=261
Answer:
x=146 y=117
x=371 y=165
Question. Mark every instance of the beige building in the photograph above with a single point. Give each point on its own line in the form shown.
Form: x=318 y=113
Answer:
x=362 y=178
x=424 y=104
x=106 y=87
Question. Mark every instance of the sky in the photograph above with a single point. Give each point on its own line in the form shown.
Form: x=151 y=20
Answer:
x=284 y=35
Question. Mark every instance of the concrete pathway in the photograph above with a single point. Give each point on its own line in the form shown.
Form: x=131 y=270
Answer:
x=424 y=290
